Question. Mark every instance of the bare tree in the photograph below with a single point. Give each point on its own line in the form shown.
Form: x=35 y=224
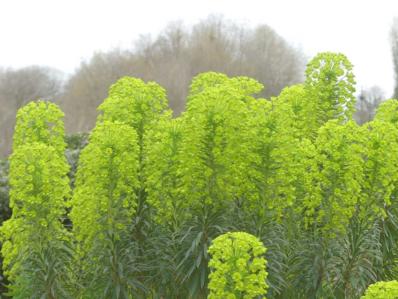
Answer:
x=271 y=60
x=175 y=56
x=87 y=88
x=394 y=49
x=368 y=101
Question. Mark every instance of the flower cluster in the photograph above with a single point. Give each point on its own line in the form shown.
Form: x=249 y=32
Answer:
x=237 y=267
x=382 y=290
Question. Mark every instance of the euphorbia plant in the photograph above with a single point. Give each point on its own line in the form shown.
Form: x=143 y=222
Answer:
x=382 y=290
x=169 y=205
x=40 y=121
x=213 y=169
x=340 y=151
x=380 y=169
x=330 y=87
x=279 y=177
x=295 y=107
x=245 y=85
x=139 y=105
x=163 y=173
x=103 y=206
x=135 y=103
x=35 y=247
x=238 y=267
x=213 y=136
x=271 y=168
x=388 y=111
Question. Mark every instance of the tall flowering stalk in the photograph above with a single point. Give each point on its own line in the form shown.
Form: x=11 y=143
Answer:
x=36 y=246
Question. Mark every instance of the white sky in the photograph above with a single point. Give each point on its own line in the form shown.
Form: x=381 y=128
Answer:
x=61 y=33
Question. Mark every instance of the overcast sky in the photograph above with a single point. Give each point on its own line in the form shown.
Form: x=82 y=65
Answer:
x=61 y=33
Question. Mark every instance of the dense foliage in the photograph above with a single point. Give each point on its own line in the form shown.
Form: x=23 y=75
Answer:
x=239 y=197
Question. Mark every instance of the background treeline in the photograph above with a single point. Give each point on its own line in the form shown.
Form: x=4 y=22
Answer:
x=147 y=211
x=172 y=59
